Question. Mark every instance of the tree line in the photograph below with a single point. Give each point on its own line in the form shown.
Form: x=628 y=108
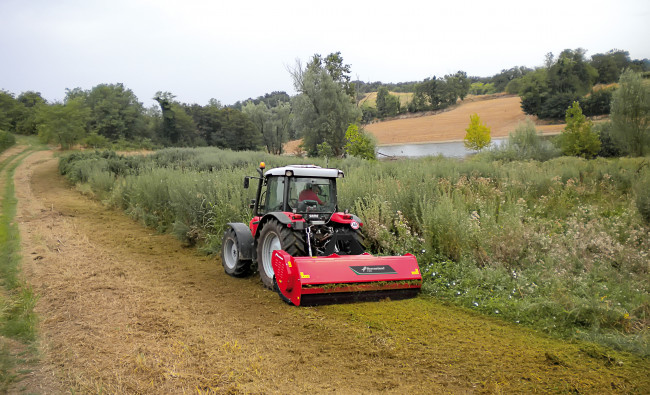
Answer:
x=546 y=92
x=322 y=114
x=325 y=113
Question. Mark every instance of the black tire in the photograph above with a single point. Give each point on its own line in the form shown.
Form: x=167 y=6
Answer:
x=230 y=257
x=277 y=289
x=275 y=236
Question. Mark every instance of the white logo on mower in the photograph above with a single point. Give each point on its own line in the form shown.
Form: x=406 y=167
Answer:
x=367 y=269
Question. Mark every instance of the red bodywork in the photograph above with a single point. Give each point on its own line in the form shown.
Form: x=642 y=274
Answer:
x=297 y=277
x=340 y=218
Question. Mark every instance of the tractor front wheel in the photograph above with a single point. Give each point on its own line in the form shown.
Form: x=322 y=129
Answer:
x=275 y=236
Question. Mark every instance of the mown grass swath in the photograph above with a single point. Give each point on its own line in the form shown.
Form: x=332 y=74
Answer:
x=17 y=318
x=560 y=245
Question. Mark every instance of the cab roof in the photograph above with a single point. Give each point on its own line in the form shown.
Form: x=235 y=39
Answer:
x=304 y=171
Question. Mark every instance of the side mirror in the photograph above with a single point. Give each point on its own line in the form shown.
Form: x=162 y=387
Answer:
x=246 y=182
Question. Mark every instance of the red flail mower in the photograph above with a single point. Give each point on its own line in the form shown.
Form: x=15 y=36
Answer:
x=307 y=250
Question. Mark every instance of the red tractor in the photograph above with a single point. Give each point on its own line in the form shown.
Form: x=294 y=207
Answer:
x=306 y=249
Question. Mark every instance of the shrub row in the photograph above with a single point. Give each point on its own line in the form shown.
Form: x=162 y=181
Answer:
x=6 y=140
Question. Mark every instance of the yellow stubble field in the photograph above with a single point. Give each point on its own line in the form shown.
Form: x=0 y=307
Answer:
x=501 y=114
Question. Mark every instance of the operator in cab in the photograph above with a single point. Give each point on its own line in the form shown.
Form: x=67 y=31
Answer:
x=310 y=193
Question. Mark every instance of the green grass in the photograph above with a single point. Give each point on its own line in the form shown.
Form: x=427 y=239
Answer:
x=17 y=300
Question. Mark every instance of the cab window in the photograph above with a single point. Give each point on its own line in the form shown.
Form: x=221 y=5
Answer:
x=274 y=193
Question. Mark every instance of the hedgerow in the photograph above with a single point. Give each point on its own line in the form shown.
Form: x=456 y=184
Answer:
x=6 y=140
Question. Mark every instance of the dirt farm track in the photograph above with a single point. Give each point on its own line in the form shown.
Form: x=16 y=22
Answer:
x=124 y=310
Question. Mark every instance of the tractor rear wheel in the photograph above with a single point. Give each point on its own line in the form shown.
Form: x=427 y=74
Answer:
x=275 y=236
x=230 y=257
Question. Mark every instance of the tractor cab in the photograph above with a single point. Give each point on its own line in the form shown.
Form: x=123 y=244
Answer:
x=301 y=189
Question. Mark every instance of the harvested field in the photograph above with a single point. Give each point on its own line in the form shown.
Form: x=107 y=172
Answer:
x=501 y=114
x=125 y=310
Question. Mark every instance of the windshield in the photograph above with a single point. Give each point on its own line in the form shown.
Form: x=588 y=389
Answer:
x=308 y=194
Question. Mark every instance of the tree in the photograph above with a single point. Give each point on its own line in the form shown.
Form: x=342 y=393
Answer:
x=115 y=112
x=237 y=131
x=478 y=135
x=382 y=93
x=438 y=93
x=359 y=143
x=323 y=108
x=8 y=106
x=168 y=132
x=178 y=127
x=548 y=92
x=610 y=65
x=280 y=127
x=630 y=114
x=26 y=112
x=271 y=123
x=387 y=105
x=64 y=124
x=579 y=138
x=457 y=86
x=505 y=77
x=571 y=73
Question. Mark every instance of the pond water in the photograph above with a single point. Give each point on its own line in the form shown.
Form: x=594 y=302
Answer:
x=453 y=149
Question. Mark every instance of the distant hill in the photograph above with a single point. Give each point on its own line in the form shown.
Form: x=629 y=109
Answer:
x=500 y=112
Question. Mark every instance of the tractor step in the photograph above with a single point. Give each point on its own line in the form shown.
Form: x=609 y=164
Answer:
x=339 y=278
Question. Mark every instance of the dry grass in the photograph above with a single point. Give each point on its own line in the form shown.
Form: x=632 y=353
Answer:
x=370 y=99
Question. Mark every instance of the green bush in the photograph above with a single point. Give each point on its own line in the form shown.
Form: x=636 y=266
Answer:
x=6 y=140
x=609 y=147
x=598 y=102
x=523 y=144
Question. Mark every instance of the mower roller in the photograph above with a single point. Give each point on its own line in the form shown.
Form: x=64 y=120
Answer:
x=307 y=250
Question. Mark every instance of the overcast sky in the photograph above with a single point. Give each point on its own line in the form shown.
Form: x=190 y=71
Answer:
x=236 y=49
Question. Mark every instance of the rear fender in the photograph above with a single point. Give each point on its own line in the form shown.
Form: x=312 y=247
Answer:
x=245 y=240
x=347 y=219
x=283 y=218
